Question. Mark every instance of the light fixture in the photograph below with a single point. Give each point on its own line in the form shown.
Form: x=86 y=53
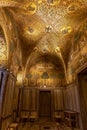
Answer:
x=44 y=86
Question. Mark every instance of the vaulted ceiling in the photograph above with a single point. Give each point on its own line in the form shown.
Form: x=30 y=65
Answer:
x=46 y=28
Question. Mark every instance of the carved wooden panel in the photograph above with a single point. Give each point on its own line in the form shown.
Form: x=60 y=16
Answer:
x=8 y=100
x=83 y=98
x=28 y=99
x=7 y=83
x=58 y=99
x=71 y=98
x=25 y=99
x=33 y=99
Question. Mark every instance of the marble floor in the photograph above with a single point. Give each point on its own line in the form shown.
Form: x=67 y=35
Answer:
x=44 y=124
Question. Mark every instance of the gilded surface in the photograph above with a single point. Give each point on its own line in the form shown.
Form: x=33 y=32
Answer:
x=52 y=31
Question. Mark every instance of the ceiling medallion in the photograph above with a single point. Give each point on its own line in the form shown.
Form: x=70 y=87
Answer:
x=73 y=7
x=66 y=30
x=31 y=30
x=48 y=28
x=52 y=12
x=31 y=7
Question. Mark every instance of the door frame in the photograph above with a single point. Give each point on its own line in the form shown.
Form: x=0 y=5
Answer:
x=51 y=94
x=80 y=72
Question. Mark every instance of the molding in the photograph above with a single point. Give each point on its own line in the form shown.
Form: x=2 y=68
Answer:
x=81 y=68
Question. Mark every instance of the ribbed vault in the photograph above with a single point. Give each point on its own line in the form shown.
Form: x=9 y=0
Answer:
x=41 y=30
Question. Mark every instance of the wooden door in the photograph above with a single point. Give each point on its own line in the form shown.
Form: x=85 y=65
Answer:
x=45 y=104
x=82 y=78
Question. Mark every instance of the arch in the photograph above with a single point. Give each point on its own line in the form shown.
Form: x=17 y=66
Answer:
x=12 y=40
x=36 y=57
x=3 y=48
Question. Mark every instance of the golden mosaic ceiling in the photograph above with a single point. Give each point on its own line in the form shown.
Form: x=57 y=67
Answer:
x=46 y=26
